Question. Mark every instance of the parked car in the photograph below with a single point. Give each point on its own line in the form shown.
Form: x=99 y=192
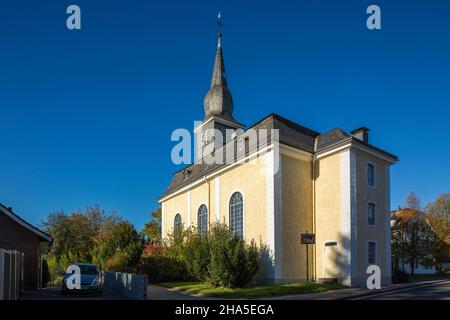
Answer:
x=90 y=279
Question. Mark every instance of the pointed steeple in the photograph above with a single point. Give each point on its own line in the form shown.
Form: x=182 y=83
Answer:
x=218 y=100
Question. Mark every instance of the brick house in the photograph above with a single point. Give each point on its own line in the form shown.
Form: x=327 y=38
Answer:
x=17 y=234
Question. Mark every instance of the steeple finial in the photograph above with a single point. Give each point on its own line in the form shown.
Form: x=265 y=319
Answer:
x=219 y=23
x=218 y=100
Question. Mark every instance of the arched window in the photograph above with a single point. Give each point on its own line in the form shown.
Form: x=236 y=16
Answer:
x=236 y=214
x=177 y=222
x=202 y=220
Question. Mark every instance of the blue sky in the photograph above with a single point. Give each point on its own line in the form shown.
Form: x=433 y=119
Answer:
x=86 y=116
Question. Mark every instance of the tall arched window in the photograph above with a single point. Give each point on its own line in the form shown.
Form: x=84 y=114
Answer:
x=236 y=214
x=177 y=222
x=202 y=220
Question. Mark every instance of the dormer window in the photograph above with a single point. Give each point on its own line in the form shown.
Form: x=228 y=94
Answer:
x=186 y=174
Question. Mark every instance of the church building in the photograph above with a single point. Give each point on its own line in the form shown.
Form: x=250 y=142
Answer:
x=335 y=185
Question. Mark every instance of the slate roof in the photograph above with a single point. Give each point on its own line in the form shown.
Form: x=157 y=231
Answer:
x=290 y=133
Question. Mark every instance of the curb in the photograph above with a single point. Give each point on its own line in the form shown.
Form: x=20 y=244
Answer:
x=393 y=290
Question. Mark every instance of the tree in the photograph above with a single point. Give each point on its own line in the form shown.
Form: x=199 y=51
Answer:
x=122 y=249
x=413 y=239
x=152 y=229
x=438 y=215
x=413 y=201
x=77 y=235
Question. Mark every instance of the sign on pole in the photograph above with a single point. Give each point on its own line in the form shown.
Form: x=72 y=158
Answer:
x=307 y=238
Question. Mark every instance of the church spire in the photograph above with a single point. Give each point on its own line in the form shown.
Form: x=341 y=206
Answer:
x=218 y=100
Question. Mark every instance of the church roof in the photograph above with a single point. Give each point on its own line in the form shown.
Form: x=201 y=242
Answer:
x=290 y=133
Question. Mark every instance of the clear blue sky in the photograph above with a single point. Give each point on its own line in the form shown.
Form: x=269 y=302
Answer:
x=86 y=116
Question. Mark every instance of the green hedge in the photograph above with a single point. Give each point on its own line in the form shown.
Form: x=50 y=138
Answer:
x=220 y=258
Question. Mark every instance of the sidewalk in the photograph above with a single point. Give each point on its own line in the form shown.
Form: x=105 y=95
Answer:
x=355 y=293
x=157 y=292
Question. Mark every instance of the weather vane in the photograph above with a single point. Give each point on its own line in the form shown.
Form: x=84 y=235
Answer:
x=219 y=21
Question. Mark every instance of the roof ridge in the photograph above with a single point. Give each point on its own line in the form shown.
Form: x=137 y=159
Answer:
x=302 y=128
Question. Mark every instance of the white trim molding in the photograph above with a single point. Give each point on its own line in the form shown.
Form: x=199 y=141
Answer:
x=348 y=259
x=2 y=271
x=188 y=209
x=274 y=228
x=163 y=221
x=217 y=198
x=388 y=225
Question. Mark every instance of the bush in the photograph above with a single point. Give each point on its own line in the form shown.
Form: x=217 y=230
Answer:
x=160 y=269
x=220 y=258
x=233 y=263
x=197 y=257
x=122 y=250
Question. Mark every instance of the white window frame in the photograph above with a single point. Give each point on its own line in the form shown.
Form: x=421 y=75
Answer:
x=175 y=216
x=368 y=252
x=207 y=217
x=374 y=214
x=243 y=210
x=374 y=174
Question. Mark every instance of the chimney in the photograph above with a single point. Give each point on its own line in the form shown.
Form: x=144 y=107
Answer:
x=361 y=134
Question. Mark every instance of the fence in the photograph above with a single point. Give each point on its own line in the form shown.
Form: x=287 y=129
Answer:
x=11 y=274
x=130 y=286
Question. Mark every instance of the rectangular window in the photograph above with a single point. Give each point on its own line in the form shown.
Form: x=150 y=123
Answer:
x=370 y=175
x=371 y=214
x=372 y=253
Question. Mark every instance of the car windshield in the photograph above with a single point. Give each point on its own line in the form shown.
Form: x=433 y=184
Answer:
x=88 y=269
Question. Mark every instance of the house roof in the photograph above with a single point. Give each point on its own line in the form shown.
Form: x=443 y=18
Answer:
x=9 y=213
x=290 y=133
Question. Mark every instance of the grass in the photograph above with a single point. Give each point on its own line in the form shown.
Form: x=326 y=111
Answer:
x=252 y=292
x=430 y=276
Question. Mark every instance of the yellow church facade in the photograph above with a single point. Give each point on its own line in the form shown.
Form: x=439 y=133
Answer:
x=335 y=185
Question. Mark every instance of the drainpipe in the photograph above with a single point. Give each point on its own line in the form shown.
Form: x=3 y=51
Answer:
x=209 y=199
x=314 y=206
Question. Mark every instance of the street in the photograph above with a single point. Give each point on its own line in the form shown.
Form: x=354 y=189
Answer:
x=438 y=291
x=55 y=294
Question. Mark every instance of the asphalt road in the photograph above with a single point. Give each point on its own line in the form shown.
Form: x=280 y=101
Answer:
x=438 y=291
x=55 y=294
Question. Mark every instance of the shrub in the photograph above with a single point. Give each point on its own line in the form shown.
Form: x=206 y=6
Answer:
x=197 y=257
x=159 y=269
x=121 y=252
x=220 y=258
x=233 y=263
